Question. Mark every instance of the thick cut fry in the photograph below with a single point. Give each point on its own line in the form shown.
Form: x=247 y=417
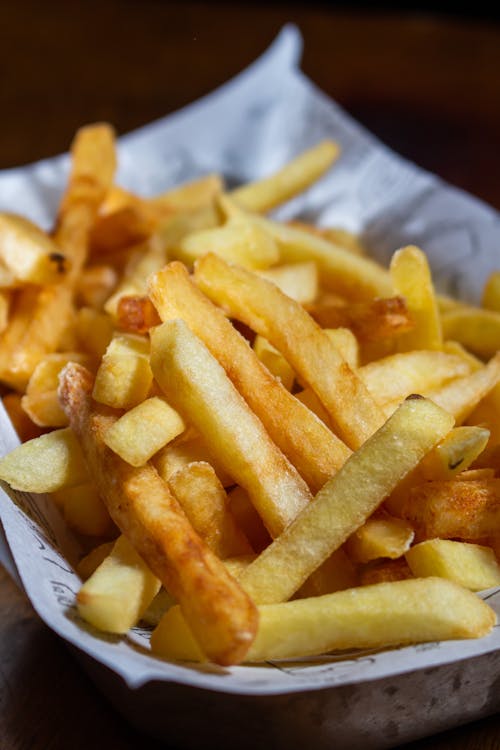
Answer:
x=196 y=385
x=274 y=361
x=5 y=300
x=220 y=614
x=204 y=501
x=40 y=401
x=177 y=455
x=248 y=519
x=470 y=565
x=117 y=594
x=412 y=279
x=142 y=431
x=238 y=241
x=379 y=571
x=307 y=443
x=377 y=616
x=461 y=396
x=297 y=280
x=378 y=319
x=93 y=559
x=339 y=236
x=190 y=197
x=296 y=176
x=27 y=254
x=478 y=330
x=288 y=327
x=357 y=278
x=36 y=323
x=135 y=314
x=45 y=464
x=346 y=500
x=454 y=509
x=447 y=459
x=94 y=331
x=124 y=378
x=126 y=226
x=335 y=574
x=346 y=343
x=381 y=535
x=395 y=377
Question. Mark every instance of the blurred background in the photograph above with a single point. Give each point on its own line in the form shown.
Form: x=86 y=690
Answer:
x=423 y=76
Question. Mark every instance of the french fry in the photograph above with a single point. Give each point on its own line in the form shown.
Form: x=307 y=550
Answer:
x=178 y=454
x=357 y=278
x=308 y=444
x=142 y=431
x=297 y=280
x=126 y=226
x=196 y=385
x=247 y=518
x=91 y=561
x=298 y=174
x=346 y=501
x=376 y=320
x=146 y=259
x=274 y=361
x=395 y=377
x=136 y=314
x=40 y=401
x=191 y=197
x=124 y=377
x=471 y=565
x=95 y=285
x=5 y=300
x=462 y=395
x=394 y=613
x=289 y=328
x=337 y=235
x=239 y=241
x=119 y=591
x=346 y=343
x=45 y=464
x=335 y=574
x=221 y=615
x=381 y=535
x=27 y=254
x=94 y=331
x=203 y=499
x=454 y=509
x=478 y=330
x=382 y=570
x=411 y=278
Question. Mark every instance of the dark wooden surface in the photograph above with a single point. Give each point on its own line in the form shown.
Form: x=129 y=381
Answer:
x=428 y=85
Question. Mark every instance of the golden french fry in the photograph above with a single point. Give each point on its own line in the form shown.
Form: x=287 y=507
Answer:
x=124 y=378
x=191 y=197
x=335 y=574
x=94 y=331
x=462 y=395
x=248 y=519
x=178 y=454
x=381 y=615
x=346 y=343
x=239 y=241
x=45 y=464
x=375 y=320
x=382 y=570
x=119 y=591
x=274 y=361
x=412 y=280
x=126 y=226
x=293 y=178
x=357 y=278
x=221 y=615
x=454 y=509
x=307 y=443
x=289 y=328
x=90 y=562
x=381 y=535
x=346 y=500
x=471 y=565
x=40 y=401
x=204 y=501
x=5 y=300
x=297 y=280
x=95 y=284
x=26 y=429
x=196 y=385
x=27 y=254
x=136 y=314
x=395 y=377
x=147 y=258
x=83 y=510
x=142 y=431
x=478 y=330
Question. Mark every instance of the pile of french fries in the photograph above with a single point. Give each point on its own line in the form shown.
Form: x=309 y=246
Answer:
x=271 y=445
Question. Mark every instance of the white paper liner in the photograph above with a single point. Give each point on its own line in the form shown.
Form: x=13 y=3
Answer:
x=246 y=129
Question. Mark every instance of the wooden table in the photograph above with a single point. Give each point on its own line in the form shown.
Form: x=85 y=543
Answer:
x=428 y=86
